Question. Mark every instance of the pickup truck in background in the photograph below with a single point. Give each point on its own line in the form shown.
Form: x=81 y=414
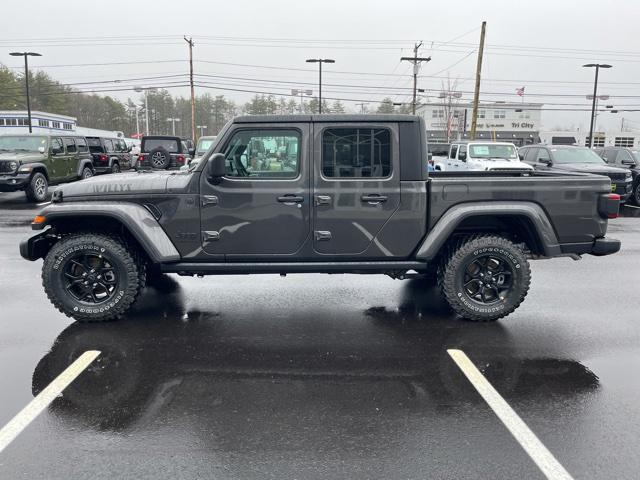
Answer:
x=483 y=156
x=317 y=194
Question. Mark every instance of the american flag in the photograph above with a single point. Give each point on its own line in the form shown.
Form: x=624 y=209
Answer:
x=520 y=92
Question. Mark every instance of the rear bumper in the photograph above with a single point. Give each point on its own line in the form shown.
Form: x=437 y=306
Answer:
x=12 y=183
x=605 y=246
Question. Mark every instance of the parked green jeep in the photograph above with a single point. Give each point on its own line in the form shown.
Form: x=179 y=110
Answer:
x=33 y=162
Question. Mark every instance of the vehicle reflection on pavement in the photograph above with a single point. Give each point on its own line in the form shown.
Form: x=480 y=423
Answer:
x=242 y=381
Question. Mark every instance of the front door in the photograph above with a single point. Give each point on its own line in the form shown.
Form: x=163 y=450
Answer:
x=452 y=161
x=58 y=165
x=356 y=187
x=261 y=208
x=71 y=158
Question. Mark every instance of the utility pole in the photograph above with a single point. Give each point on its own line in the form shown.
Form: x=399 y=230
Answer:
x=597 y=66
x=362 y=105
x=193 y=94
x=476 y=93
x=416 y=68
x=26 y=55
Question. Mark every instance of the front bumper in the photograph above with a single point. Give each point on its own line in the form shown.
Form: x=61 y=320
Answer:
x=12 y=183
x=37 y=246
x=605 y=246
x=624 y=189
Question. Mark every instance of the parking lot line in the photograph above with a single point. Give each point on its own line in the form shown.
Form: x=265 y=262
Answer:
x=18 y=423
x=542 y=457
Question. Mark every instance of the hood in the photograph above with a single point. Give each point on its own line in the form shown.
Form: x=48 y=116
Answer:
x=21 y=157
x=589 y=168
x=145 y=183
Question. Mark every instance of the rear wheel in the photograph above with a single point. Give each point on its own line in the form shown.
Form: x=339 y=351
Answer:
x=92 y=277
x=484 y=278
x=38 y=188
x=115 y=168
x=86 y=173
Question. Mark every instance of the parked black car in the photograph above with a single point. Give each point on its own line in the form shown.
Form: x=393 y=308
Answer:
x=628 y=158
x=570 y=158
x=110 y=155
x=162 y=152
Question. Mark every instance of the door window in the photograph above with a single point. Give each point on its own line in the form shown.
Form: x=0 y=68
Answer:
x=543 y=154
x=462 y=154
x=56 y=145
x=356 y=153
x=625 y=158
x=270 y=154
x=70 y=145
x=108 y=145
x=454 y=151
x=531 y=155
x=81 y=143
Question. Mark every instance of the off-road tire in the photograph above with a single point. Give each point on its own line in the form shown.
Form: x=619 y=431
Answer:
x=131 y=275
x=34 y=190
x=86 y=173
x=461 y=254
x=115 y=168
x=159 y=158
x=636 y=194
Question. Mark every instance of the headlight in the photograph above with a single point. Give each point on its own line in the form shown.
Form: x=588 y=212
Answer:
x=628 y=176
x=24 y=170
x=13 y=166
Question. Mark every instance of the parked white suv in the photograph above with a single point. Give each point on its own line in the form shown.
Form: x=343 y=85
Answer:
x=482 y=155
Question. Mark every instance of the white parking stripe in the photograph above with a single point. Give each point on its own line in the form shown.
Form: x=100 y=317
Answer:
x=41 y=204
x=542 y=457
x=18 y=423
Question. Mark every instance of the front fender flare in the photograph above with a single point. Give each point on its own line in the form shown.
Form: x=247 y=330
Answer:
x=442 y=230
x=135 y=218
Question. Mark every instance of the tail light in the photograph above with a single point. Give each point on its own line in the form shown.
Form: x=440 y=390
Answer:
x=103 y=158
x=180 y=159
x=141 y=157
x=609 y=205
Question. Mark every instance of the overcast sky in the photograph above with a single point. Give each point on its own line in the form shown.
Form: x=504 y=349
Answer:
x=364 y=38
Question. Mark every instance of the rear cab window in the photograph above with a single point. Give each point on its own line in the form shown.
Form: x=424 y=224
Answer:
x=95 y=145
x=171 y=145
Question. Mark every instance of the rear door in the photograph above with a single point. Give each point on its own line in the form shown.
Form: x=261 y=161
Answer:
x=356 y=185
x=452 y=161
x=70 y=158
x=261 y=208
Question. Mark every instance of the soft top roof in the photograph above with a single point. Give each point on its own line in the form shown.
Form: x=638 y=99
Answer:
x=370 y=118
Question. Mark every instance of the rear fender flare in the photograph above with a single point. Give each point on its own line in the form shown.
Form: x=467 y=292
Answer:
x=452 y=218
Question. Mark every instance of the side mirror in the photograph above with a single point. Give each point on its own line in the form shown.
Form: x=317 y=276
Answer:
x=216 y=167
x=545 y=161
x=56 y=151
x=462 y=156
x=41 y=149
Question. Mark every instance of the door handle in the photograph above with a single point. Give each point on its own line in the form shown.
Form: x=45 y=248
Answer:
x=209 y=200
x=323 y=200
x=374 y=199
x=290 y=199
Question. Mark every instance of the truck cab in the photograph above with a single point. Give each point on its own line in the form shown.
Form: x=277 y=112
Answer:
x=483 y=156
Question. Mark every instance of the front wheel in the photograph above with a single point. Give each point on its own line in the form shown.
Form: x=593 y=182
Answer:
x=115 y=168
x=38 y=188
x=92 y=277
x=636 y=194
x=484 y=278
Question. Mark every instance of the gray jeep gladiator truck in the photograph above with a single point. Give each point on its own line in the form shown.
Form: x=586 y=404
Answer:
x=317 y=194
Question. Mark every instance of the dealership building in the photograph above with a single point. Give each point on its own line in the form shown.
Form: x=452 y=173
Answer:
x=517 y=122
x=17 y=122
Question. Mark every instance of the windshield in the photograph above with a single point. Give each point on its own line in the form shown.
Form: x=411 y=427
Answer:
x=204 y=144
x=636 y=155
x=22 y=143
x=576 y=155
x=508 y=152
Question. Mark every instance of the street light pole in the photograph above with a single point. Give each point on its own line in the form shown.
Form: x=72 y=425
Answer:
x=146 y=105
x=26 y=79
x=320 y=61
x=202 y=129
x=173 y=124
x=597 y=66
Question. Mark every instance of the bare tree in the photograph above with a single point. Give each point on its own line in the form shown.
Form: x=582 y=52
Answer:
x=453 y=120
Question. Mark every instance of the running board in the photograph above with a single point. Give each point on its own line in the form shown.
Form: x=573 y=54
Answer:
x=244 y=268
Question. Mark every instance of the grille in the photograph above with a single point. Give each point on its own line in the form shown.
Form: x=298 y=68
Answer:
x=617 y=176
x=5 y=167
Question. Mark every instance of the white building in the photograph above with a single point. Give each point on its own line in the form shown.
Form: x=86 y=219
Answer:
x=612 y=138
x=517 y=122
x=17 y=122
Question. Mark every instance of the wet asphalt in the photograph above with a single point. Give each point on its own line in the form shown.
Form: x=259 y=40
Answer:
x=317 y=376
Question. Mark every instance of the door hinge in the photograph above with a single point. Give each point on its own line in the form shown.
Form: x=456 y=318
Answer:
x=210 y=236
x=322 y=235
